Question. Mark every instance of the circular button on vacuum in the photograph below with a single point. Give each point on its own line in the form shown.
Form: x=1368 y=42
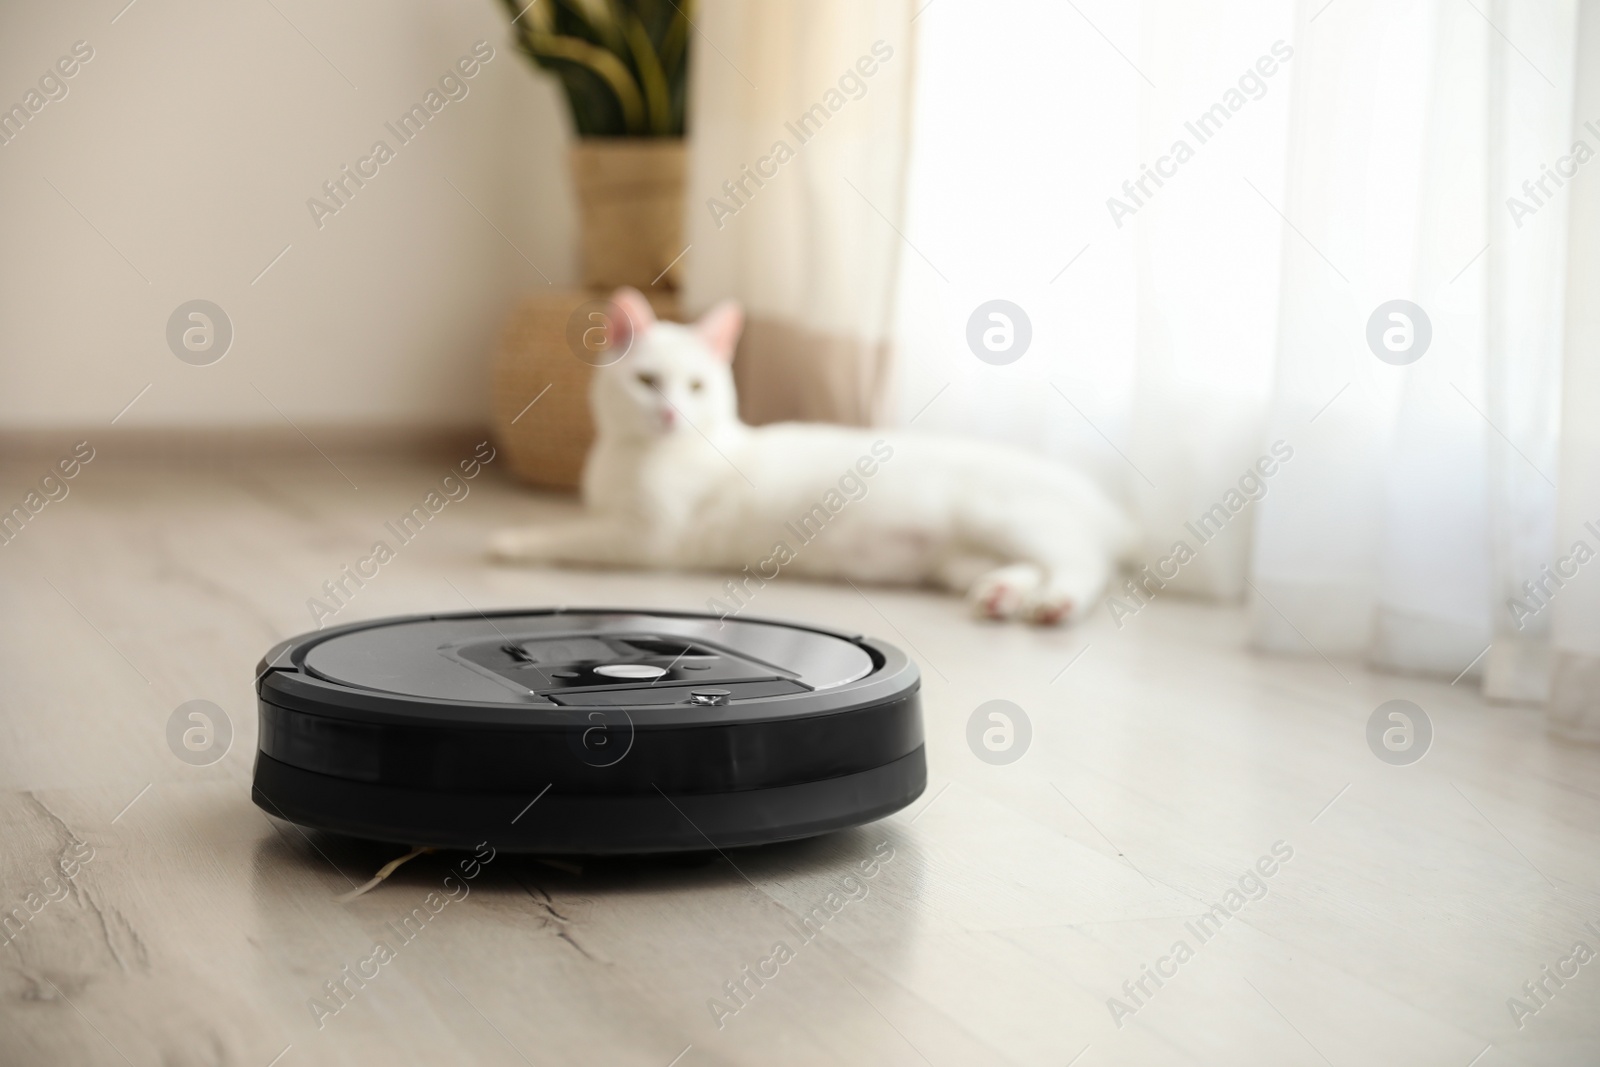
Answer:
x=632 y=671
x=709 y=696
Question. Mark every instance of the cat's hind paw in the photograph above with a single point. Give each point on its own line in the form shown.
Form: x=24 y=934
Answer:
x=1061 y=598
x=1002 y=593
x=1049 y=607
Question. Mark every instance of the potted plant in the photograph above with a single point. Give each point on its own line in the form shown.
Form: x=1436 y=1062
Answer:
x=624 y=67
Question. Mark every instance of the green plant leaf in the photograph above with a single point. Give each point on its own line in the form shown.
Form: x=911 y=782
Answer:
x=604 y=64
x=604 y=20
x=622 y=63
x=674 y=47
x=657 y=96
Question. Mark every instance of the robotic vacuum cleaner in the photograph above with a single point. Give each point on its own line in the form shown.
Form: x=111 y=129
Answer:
x=586 y=731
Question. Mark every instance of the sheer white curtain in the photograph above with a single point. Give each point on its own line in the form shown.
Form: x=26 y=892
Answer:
x=1152 y=347
x=799 y=119
x=1429 y=490
x=1366 y=154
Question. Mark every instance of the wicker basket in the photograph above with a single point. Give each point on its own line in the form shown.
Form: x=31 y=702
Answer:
x=541 y=389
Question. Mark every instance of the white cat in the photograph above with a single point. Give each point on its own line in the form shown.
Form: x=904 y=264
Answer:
x=676 y=480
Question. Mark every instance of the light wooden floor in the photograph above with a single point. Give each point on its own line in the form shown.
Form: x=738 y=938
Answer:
x=1165 y=760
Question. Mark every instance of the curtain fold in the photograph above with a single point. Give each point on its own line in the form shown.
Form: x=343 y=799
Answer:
x=799 y=133
x=1355 y=151
x=1530 y=123
x=1575 y=622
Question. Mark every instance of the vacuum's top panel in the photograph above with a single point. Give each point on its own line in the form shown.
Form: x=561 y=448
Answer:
x=587 y=659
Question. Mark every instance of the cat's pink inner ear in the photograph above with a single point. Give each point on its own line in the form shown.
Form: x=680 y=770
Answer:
x=631 y=316
x=719 y=328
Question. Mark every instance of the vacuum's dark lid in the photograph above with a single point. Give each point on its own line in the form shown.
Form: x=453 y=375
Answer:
x=580 y=659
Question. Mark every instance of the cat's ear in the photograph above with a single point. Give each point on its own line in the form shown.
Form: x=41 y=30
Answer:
x=631 y=316
x=719 y=328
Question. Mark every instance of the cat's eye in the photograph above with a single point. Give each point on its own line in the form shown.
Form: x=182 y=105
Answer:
x=648 y=380
x=695 y=385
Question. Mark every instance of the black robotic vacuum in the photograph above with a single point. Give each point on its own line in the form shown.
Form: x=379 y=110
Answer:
x=586 y=731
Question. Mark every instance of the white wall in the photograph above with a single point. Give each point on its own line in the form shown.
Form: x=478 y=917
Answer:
x=192 y=140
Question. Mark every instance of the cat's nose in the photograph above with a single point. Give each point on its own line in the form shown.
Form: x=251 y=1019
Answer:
x=669 y=418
